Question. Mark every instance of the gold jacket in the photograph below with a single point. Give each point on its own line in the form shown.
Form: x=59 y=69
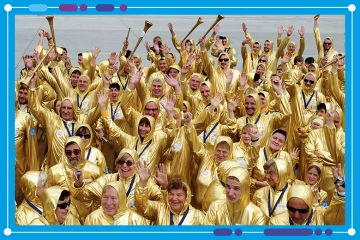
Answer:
x=159 y=211
x=51 y=198
x=31 y=207
x=62 y=174
x=278 y=196
x=123 y=216
x=243 y=212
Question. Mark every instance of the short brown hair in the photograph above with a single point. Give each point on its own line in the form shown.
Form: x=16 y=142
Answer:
x=270 y=165
x=176 y=183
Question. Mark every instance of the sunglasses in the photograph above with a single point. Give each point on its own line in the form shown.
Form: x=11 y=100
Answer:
x=327 y=43
x=301 y=211
x=86 y=136
x=262 y=60
x=309 y=81
x=70 y=152
x=128 y=163
x=223 y=59
x=64 y=205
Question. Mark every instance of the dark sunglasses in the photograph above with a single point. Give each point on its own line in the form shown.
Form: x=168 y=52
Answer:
x=64 y=205
x=327 y=43
x=223 y=59
x=70 y=152
x=262 y=60
x=301 y=211
x=309 y=81
x=128 y=163
x=86 y=136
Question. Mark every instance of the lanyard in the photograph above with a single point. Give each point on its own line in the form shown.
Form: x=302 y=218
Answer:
x=88 y=155
x=271 y=211
x=206 y=136
x=256 y=121
x=33 y=206
x=126 y=83
x=78 y=100
x=68 y=130
x=182 y=219
x=114 y=112
x=306 y=103
x=147 y=145
x=266 y=157
x=131 y=186
x=307 y=222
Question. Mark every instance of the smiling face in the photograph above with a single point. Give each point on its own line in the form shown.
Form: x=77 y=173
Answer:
x=250 y=105
x=224 y=61
x=66 y=110
x=233 y=189
x=267 y=46
x=205 y=91
x=156 y=88
x=222 y=152
x=110 y=201
x=272 y=177
x=327 y=44
x=74 y=78
x=277 y=141
x=163 y=66
x=144 y=128
x=256 y=48
x=176 y=199
x=125 y=166
x=114 y=94
x=83 y=83
x=173 y=72
x=309 y=81
x=73 y=153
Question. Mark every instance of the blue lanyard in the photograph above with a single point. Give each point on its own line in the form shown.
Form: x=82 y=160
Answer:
x=131 y=186
x=206 y=136
x=68 y=130
x=33 y=206
x=147 y=145
x=78 y=100
x=88 y=155
x=271 y=211
x=306 y=103
x=266 y=157
x=256 y=121
x=114 y=112
x=182 y=219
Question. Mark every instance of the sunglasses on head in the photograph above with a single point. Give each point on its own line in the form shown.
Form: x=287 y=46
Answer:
x=128 y=163
x=86 y=136
x=223 y=59
x=70 y=152
x=301 y=211
x=309 y=81
x=64 y=204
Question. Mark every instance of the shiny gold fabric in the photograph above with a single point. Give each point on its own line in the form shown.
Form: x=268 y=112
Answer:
x=243 y=212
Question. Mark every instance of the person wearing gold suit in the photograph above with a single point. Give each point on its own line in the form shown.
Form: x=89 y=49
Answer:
x=175 y=210
x=313 y=178
x=207 y=160
x=113 y=210
x=92 y=154
x=62 y=174
x=216 y=190
x=56 y=205
x=223 y=78
x=126 y=174
x=272 y=151
x=237 y=207
x=325 y=48
x=32 y=184
x=272 y=199
x=58 y=127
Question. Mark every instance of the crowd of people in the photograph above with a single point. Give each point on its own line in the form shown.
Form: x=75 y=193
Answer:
x=194 y=137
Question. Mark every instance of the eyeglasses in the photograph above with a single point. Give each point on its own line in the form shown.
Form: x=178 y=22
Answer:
x=309 y=81
x=86 y=136
x=223 y=59
x=70 y=152
x=64 y=205
x=327 y=43
x=301 y=211
x=128 y=163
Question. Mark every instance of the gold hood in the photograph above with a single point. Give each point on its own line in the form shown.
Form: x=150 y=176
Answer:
x=51 y=199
